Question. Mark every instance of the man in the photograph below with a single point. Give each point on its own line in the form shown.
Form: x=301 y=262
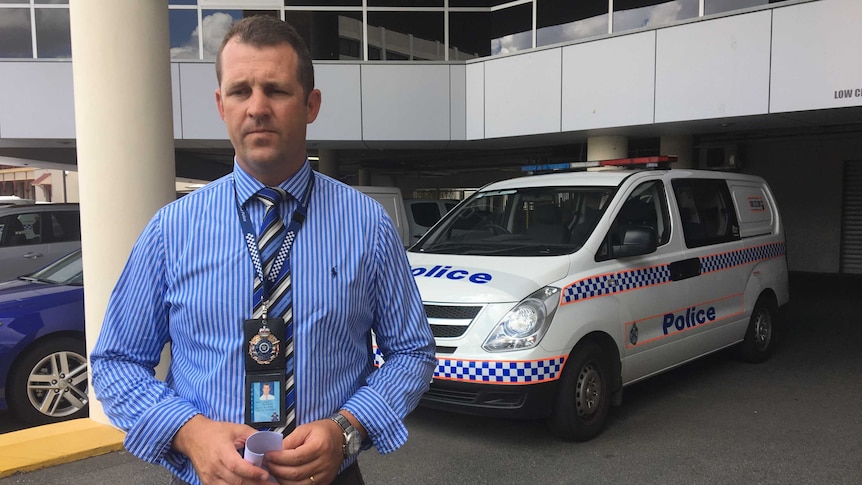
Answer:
x=265 y=392
x=194 y=279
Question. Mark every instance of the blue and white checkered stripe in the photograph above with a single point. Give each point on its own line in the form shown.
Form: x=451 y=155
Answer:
x=495 y=371
x=718 y=262
x=500 y=371
x=607 y=284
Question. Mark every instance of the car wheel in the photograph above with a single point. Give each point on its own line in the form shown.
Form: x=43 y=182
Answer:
x=48 y=383
x=759 y=338
x=584 y=397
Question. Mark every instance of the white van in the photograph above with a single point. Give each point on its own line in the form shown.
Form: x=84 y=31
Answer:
x=548 y=294
x=391 y=200
x=424 y=213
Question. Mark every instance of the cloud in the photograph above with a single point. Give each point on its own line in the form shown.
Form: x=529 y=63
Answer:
x=664 y=14
x=511 y=43
x=578 y=29
x=214 y=26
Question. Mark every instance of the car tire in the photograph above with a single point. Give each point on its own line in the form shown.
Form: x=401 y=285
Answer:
x=584 y=397
x=759 y=340
x=48 y=382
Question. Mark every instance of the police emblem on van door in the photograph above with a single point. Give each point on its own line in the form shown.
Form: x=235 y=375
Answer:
x=633 y=334
x=263 y=347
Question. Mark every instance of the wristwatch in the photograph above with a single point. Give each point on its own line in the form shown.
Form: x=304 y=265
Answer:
x=352 y=438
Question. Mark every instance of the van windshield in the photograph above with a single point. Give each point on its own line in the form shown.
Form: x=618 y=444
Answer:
x=531 y=221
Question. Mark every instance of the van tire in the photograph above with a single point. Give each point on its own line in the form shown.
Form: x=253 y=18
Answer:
x=584 y=397
x=759 y=338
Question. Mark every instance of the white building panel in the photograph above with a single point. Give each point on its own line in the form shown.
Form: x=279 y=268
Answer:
x=713 y=69
x=200 y=118
x=36 y=100
x=404 y=102
x=609 y=82
x=816 y=62
x=475 y=101
x=522 y=94
x=340 y=116
x=457 y=102
x=176 y=103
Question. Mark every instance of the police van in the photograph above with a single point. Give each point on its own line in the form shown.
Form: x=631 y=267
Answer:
x=548 y=294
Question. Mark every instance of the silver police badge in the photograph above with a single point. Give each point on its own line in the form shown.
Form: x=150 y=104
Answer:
x=263 y=347
x=633 y=334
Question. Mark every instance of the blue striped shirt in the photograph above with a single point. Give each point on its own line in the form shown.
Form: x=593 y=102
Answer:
x=189 y=281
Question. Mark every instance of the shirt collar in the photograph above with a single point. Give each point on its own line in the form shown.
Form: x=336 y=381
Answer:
x=247 y=186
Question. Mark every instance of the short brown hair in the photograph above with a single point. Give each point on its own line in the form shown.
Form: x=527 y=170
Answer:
x=263 y=30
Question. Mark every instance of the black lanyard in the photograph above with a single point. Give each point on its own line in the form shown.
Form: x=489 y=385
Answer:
x=250 y=237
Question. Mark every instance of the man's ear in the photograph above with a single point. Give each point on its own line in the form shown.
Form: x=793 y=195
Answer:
x=313 y=105
x=219 y=104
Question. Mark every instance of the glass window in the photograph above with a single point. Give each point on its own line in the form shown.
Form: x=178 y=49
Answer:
x=645 y=207
x=411 y=36
x=529 y=221
x=184 y=34
x=329 y=35
x=216 y=23
x=635 y=14
x=561 y=20
x=65 y=2
x=706 y=212
x=512 y=29
x=15 y=39
x=469 y=35
x=323 y=3
x=477 y=3
x=405 y=3
x=425 y=213
x=65 y=226
x=21 y=230
x=183 y=2
x=53 y=38
x=717 y=6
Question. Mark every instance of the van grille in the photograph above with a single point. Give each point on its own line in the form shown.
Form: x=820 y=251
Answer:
x=450 y=321
x=452 y=312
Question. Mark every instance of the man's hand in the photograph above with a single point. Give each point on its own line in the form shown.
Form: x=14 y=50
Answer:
x=312 y=450
x=212 y=447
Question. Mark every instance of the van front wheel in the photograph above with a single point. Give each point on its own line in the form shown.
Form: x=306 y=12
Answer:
x=584 y=397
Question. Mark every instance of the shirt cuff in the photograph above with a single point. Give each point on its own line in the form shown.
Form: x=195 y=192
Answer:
x=151 y=436
x=385 y=428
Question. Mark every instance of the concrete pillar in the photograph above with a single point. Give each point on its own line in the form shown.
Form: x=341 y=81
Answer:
x=363 y=177
x=327 y=162
x=681 y=146
x=124 y=131
x=607 y=148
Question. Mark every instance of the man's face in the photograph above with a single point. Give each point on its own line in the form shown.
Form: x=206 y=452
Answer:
x=264 y=108
x=265 y=389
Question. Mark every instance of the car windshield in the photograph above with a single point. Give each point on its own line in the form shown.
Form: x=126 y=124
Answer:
x=532 y=221
x=66 y=271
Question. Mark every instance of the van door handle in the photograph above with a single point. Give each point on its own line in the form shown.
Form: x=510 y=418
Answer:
x=32 y=255
x=687 y=268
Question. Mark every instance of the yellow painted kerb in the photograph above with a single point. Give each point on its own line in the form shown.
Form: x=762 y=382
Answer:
x=53 y=444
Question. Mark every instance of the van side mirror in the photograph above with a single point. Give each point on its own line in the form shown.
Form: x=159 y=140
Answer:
x=637 y=240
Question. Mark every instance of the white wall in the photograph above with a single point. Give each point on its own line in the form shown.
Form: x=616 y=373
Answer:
x=795 y=57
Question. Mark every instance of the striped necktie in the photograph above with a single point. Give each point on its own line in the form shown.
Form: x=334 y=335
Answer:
x=275 y=241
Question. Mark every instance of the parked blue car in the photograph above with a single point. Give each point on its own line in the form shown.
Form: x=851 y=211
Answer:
x=43 y=361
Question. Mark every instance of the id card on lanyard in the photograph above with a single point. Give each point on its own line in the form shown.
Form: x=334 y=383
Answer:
x=265 y=358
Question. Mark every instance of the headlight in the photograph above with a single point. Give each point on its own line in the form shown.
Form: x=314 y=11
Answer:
x=525 y=325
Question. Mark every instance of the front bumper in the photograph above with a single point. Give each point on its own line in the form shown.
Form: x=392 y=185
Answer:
x=526 y=401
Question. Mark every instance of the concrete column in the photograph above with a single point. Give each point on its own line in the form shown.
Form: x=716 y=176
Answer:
x=124 y=131
x=327 y=162
x=607 y=148
x=681 y=146
x=363 y=177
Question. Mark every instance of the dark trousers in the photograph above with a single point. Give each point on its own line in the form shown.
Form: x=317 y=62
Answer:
x=350 y=476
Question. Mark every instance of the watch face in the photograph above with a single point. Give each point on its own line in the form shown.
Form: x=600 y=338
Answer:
x=354 y=442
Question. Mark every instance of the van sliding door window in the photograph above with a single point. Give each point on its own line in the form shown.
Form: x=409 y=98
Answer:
x=706 y=211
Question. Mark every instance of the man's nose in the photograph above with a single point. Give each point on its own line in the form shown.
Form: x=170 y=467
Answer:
x=258 y=104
